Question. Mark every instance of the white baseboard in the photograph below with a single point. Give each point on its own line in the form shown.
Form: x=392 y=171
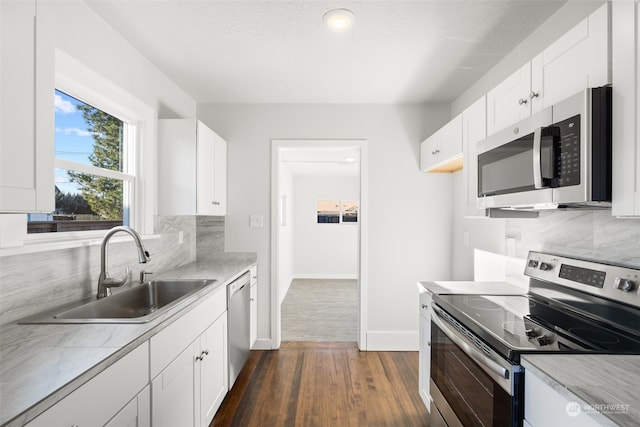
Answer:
x=262 y=344
x=325 y=276
x=393 y=340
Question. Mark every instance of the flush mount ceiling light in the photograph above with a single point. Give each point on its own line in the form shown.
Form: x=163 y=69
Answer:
x=339 y=20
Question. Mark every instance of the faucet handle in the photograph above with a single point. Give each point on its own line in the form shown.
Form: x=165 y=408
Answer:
x=143 y=275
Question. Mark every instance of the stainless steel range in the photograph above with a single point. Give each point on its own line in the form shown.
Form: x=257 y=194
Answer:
x=573 y=306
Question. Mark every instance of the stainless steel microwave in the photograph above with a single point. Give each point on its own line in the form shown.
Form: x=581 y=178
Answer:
x=558 y=157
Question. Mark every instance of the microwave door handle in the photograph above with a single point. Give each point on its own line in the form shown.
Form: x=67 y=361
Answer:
x=537 y=158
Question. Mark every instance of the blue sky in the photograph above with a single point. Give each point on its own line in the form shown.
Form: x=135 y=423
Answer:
x=73 y=141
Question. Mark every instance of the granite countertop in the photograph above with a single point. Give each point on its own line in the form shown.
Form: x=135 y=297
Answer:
x=605 y=385
x=41 y=364
x=471 y=287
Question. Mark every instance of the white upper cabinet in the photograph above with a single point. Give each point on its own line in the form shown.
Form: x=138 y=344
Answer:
x=626 y=111
x=192 y=169
x=27 y=125
x=474 y=130
x=508 y=102
x=442 y=151
x=577 y=60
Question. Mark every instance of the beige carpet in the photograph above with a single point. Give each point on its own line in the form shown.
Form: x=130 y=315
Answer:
x=320 y=310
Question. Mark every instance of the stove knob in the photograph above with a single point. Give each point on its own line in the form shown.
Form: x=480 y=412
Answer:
x=544 y=340
x=624 y=285
x=533 y=263
x=544 y=266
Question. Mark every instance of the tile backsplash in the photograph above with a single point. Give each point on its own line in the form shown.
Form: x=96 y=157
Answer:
x=33 y=282
x=591 y=234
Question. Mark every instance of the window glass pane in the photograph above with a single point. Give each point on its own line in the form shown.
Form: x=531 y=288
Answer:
x=349 y=211
x=328 y=211
x=83 y=202
x=86 y=201
x=87 y=135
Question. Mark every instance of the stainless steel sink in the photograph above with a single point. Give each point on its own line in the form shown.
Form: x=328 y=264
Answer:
x=139 y=304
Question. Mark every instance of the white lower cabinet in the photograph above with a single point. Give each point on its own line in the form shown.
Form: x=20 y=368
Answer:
x=424 y=362
x=189 y=366
x=137 y=413
x=106 y=395
x=173 y=392
x=210 y=373
x=544 y=406
x=253 y=306
x=189 y=391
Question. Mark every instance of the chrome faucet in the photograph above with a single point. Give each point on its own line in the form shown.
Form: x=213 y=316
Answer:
x=105 y=283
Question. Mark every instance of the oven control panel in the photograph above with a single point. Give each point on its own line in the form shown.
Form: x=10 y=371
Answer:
x=615 y=282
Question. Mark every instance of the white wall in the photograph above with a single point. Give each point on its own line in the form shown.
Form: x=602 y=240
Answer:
x=86 y=37
x=324 y=250
x=409 y=212
x=486 y=234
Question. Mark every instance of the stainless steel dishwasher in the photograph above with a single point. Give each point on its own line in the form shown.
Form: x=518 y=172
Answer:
x=238 y=325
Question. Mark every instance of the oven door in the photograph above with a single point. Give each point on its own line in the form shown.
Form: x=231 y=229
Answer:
x=471 y=384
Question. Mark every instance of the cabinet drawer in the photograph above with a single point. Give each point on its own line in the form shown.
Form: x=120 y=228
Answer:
x=96 y=402
x=169 y=342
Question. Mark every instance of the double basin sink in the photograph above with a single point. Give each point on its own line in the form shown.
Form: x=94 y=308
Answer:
x=139 y=304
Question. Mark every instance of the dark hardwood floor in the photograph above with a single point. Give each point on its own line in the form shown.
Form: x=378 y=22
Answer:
x=325 y=384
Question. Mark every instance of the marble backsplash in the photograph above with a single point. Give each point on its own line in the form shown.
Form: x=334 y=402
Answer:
x=590 y=234
x=33 y=282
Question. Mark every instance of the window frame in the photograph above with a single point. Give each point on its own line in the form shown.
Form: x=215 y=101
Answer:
x=341 y=211
x=79 y=81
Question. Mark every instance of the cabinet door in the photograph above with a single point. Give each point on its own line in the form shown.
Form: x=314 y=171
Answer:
x=172 y=392
x=424 y=362
x=626 y=110
x=26 y=107
x=211 y=371
x=97 y=401
x=176 y=167
x=253 y=325
x=429 y=149
x=474 y=129
x=509 y=101
x=450 y=140
x=577 y=60
x=137 y=413
x=212 y=172
x=253 y=301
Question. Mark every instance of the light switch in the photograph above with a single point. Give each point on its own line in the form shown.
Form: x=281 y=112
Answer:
x=255 y=221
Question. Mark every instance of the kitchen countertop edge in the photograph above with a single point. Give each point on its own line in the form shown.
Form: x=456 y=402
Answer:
x=223 y=269
x=559 y=372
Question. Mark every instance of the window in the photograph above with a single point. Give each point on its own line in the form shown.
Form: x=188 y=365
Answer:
x=336 y=211
x=94 y=179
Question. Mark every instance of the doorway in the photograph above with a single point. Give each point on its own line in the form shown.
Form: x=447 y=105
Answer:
x=309 y=163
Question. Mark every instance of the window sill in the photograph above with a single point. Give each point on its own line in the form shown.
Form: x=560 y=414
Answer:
x=49 y=243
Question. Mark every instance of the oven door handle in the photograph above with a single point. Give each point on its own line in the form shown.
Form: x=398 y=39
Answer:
x=483 y=360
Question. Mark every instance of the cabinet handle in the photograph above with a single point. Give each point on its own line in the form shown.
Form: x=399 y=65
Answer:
x=522 y=101
x=199 y=358
x=533 y=95
x=425 y=306
x=215 y=202
x=434 y=152
x=205 y=352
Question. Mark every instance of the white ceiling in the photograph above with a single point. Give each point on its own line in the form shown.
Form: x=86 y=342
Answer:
x=279 y=51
